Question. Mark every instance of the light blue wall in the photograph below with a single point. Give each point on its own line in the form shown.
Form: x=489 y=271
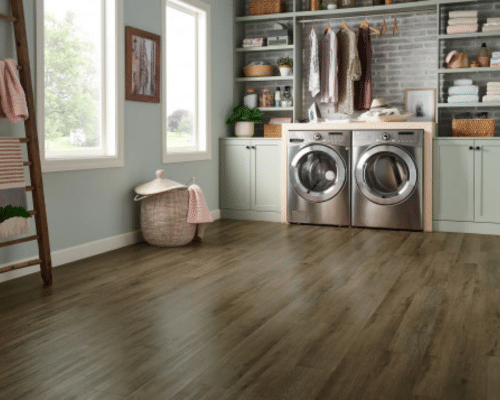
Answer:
x=90 y=205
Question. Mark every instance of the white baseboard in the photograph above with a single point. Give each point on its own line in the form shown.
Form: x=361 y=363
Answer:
x=75 y=253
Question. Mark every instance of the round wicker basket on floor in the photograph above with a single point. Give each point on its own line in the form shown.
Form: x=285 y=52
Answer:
x=164 y=209
x=164 y=219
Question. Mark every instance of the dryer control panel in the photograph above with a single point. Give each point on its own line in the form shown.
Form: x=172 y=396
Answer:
x=408 y=138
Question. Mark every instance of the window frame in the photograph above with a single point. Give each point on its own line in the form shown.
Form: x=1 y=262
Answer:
x=203 y=77
x=88 y=159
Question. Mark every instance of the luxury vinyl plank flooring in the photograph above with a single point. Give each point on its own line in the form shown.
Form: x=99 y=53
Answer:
x=262 y=311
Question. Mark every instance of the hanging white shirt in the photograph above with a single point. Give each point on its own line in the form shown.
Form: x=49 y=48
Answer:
x=329 y=68
x=314 y=75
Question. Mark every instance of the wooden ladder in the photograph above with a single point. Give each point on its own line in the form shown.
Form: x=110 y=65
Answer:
x=33 y=150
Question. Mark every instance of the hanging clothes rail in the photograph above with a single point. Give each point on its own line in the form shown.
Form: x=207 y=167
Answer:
x=360 y=16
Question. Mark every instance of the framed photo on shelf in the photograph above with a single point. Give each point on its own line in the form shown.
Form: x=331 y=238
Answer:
x=422 y=103
x=142 y=76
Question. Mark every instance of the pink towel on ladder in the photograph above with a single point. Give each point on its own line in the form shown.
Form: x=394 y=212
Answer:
x=198 y=212
x=12 y=96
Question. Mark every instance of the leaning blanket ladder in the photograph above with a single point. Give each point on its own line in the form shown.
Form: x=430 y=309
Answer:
x=31 y=140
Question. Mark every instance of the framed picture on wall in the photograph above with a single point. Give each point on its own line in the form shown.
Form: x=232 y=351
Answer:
x=422 y=103
x=142 y=80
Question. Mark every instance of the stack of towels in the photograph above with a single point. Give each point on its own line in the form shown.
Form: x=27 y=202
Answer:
x=463 y=91
x=491 y=25
x=462 y=22
x=492 y=92
x=495 y=59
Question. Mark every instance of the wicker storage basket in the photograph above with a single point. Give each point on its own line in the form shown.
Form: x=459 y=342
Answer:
x=457 y=60
x=164 y=209
x=473 y=127
x=258 y=70
x=272 y=130
x=261 y=7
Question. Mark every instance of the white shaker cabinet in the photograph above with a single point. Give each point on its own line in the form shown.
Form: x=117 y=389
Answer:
x=466 y=183
x=250 y=178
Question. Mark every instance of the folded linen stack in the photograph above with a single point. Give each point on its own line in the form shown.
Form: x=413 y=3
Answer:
x=495 y=59
x=462 y=22
x=491 y=25
x=492 y=92
x=463 y=91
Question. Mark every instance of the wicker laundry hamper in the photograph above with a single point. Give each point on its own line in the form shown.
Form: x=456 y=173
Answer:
x=164 y=209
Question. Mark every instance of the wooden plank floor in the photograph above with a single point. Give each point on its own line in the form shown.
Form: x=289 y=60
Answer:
x=262 y=311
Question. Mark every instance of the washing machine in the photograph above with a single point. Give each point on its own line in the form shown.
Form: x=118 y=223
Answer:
x=318 y=177
x=387 y=171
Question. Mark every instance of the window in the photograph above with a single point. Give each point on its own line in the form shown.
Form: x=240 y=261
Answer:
x=80 y=93
x=186 y=123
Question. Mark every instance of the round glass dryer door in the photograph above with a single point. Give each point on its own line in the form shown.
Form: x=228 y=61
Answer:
x=317 y=173
x=386 y=175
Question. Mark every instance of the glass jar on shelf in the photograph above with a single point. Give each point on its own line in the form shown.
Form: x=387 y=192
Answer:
x=250 y=99
x=286 y=98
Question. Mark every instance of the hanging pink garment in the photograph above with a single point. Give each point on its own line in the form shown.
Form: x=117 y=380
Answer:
x=12 y=96
x=198 y=212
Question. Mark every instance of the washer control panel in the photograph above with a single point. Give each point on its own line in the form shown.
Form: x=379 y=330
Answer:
x=332 y=138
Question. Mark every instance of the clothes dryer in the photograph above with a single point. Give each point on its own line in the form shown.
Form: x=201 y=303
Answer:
x=318 y=177
x=387 y=171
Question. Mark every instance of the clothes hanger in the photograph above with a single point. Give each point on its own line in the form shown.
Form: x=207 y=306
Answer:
x=395 y=30
x=344 y=26
x=327 y=27
x=384 y=27
x=366 y=24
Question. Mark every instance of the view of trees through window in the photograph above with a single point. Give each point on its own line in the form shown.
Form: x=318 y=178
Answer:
x=73 y=77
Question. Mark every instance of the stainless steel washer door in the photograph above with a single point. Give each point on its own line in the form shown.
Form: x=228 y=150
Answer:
x=317 y=173
x=386 y=175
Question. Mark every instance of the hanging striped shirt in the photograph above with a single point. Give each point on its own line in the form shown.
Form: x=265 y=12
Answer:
x=11 y=164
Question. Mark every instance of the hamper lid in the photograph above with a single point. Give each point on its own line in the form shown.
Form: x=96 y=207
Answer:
x=158 y=185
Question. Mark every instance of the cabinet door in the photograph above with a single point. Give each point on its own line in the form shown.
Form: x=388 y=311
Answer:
x=235 y=174
x=487 y=171
x=266 y=170
x=453 y=180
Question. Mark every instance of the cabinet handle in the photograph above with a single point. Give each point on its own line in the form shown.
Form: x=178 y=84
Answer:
x=478 y=148
x=253 y=147
x=248 y=147
x=470 y=148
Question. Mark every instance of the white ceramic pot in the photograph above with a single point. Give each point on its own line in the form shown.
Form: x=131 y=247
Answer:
x=244 y=129
x=331 y=6
x=285 y=70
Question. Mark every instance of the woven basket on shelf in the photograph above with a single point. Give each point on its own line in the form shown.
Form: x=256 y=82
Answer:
x=272 y=130
x=473 y=127
x=261 y=7
x=258 y=70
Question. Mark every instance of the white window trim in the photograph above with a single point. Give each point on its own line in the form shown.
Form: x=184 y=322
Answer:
x=168 y=158
x=88 y=161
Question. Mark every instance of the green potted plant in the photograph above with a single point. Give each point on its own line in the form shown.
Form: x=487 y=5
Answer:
x=331 y=4
x=285 y=65
x=244 y=120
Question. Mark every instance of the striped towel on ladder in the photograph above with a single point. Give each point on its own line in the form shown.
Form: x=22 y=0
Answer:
x=14 y=219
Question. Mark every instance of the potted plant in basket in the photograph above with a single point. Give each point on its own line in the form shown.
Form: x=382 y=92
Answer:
x=331 y=4
x=285 y=65
x=244 y=120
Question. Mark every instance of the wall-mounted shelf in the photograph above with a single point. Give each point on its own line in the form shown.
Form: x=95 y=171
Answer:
x=468 y=105
x=264 y=48
x=477 y=35
x=275 y=109
x=265 y=79
x=467 y=70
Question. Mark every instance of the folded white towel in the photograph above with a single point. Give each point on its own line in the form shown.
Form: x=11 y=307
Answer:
x=495 y=92
x=466 y=98
x=463 y=82
x=495 y=54
x=464 y=28
x=493 y=85
x=491 y=28
x=462 y=21
x=492 y=20
x=463 y=14
x=469 y=89
x=491 y=99
x=492 y=24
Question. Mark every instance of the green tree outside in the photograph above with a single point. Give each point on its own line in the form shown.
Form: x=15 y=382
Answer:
x=71 y=89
